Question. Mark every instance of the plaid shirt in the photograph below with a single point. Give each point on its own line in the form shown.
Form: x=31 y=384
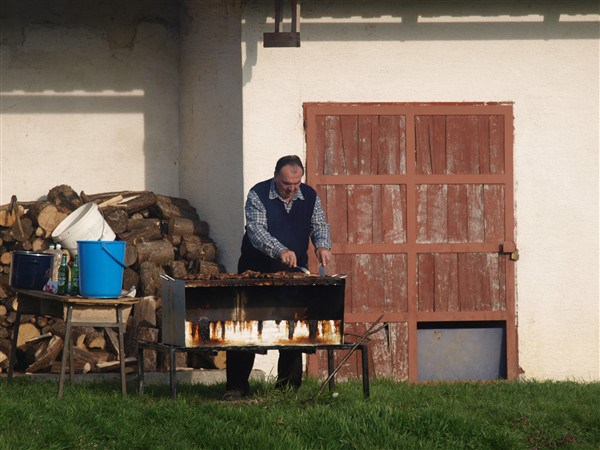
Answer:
x=256 y=223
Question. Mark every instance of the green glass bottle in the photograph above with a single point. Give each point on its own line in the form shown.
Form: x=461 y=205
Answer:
x=75 y=277
x=63 y=276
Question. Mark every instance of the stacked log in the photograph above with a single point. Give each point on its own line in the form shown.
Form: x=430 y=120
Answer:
x=164 y=235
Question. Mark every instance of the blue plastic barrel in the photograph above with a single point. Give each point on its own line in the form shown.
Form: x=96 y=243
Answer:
x=101 y=265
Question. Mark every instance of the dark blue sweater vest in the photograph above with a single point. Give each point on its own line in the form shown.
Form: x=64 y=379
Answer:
x=291 y=229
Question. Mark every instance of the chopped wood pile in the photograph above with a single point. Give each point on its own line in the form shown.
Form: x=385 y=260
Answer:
x=164 y=235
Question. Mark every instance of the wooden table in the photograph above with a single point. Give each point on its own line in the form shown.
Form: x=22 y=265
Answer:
x=75 y=311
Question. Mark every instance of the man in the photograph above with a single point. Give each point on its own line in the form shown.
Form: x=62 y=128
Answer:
x=282 y=213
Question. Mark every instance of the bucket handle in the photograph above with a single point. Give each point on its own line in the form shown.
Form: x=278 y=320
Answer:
x=112 y=256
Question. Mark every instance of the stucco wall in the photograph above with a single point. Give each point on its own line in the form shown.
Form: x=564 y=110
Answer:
x=89 y=97
x=544 y=62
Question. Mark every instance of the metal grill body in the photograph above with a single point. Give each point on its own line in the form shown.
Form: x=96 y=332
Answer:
x=304 y=311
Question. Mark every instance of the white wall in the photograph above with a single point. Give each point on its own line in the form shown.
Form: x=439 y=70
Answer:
x=548 y=68
x=89 y=97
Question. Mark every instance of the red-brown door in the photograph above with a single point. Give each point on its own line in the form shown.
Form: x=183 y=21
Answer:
x=420 y=202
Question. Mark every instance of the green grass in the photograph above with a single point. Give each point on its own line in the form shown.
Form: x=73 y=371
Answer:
x=503 y=415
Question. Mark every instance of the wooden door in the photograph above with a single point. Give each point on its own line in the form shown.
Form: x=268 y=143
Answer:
x=419 y=198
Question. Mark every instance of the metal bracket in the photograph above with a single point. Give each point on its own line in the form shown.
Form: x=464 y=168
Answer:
x=510 y=248
x=280 y=38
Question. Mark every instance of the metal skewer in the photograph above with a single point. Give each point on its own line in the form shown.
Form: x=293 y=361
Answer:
x=344 y=359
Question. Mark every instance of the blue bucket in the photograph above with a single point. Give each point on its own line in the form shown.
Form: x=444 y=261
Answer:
x=101 y=265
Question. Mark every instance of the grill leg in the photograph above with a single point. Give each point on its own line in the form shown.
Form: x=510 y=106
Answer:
x=330 y=369
x=172 y=372
x=364 y=353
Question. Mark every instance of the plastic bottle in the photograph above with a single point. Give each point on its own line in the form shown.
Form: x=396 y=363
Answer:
x=75 y=276
x=56 y=262
x=63 y=276
x=52 y=284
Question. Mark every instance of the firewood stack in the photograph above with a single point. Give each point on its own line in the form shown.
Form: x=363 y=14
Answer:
x=164 y=235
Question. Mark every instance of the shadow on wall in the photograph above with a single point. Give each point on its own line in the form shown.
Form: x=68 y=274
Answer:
x=384 y=20
x=100 y=93
x=95 y=85
x=211 y=119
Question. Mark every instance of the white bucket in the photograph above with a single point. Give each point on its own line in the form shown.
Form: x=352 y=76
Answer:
x=84 y=224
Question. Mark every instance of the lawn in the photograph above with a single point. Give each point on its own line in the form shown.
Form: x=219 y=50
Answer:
x=494 y=415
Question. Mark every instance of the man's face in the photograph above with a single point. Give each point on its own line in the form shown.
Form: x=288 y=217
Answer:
x=288 y=181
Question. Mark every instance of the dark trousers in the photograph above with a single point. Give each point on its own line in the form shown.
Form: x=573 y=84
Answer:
x=239 y=366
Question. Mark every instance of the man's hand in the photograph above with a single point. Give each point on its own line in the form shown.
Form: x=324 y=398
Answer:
x=323 y=255
x=288 y=258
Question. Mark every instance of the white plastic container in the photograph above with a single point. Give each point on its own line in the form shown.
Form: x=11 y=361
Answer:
x=84 y=224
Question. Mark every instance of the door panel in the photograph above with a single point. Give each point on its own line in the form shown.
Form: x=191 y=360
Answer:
x=365 y=214
x=461 y=282
x=375 y=282
x=459 y=144
x=460 y=213
x=365 y=145
x=388 y=353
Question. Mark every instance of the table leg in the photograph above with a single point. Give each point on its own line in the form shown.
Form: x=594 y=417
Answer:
x=121 y=348
x=364 y=352
x=172 y=372
x=330 y=369
x=71 y=361
x=66 y=348
x=140 y=369
x=13 y=348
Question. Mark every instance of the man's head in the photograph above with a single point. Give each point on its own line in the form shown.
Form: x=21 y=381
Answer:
x=288 y=175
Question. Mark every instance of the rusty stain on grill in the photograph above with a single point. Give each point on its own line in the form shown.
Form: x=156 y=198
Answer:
x=262 y=332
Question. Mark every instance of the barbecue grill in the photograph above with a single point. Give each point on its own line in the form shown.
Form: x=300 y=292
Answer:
x=253 y=312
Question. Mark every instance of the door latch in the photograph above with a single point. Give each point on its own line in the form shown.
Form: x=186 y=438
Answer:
x=511 y=249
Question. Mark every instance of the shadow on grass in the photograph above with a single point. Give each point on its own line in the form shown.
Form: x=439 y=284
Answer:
x=198 y=392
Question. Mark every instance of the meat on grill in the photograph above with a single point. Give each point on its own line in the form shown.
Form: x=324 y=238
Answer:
x=248 y=274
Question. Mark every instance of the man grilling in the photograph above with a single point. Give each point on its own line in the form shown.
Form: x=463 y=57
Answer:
x=282 y=213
